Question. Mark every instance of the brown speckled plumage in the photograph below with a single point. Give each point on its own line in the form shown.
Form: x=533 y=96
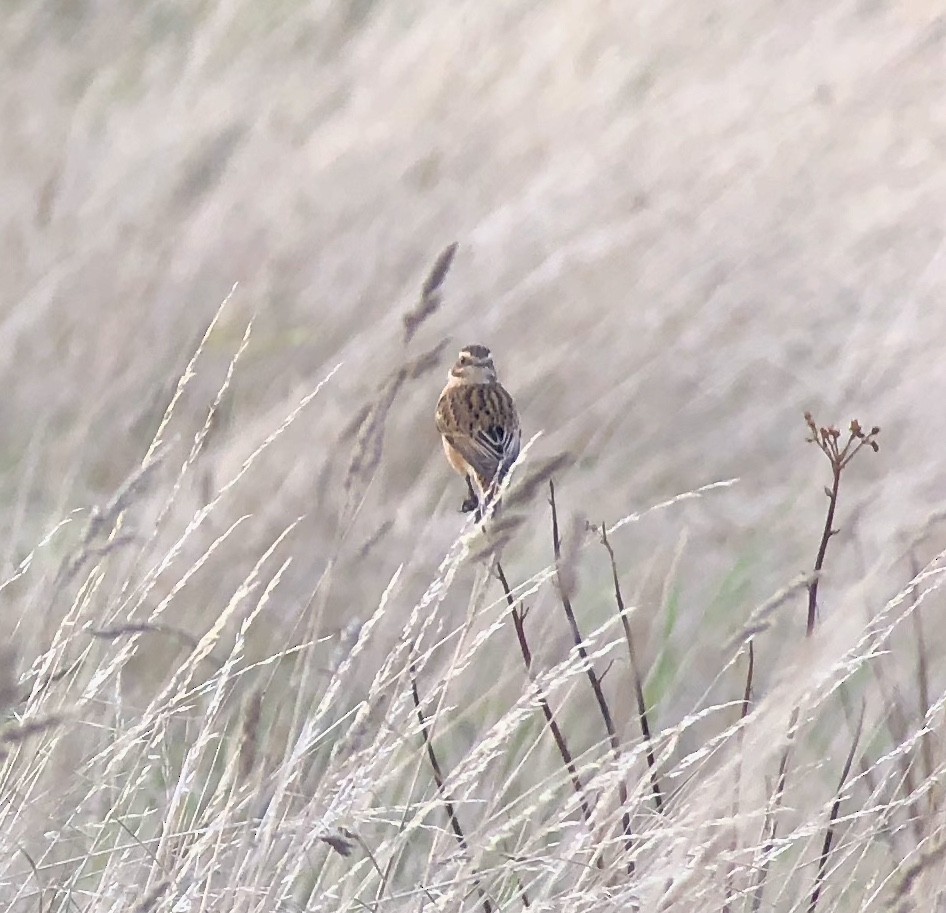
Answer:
x=479 y=424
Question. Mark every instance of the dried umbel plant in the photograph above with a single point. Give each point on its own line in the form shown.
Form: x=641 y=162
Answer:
x=828 y=441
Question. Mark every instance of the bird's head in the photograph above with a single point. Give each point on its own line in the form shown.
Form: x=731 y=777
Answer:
x=474 y=365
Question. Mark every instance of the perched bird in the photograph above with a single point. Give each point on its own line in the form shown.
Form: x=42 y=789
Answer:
x=478 y=422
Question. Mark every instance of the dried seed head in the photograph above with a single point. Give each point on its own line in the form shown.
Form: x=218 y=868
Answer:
x=430 y=298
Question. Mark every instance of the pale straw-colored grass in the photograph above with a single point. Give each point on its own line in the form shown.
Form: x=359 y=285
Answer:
x=240 y=609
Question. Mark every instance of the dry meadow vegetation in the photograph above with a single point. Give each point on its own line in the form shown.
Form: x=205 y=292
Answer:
x=252 y=658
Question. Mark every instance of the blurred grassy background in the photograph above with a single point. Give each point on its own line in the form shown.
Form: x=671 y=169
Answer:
x=680 y=225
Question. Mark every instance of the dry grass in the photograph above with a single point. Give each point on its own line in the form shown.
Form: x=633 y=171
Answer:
x=252 y=657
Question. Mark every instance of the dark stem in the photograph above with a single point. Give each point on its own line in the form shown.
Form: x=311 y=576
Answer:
x=518 y=621
x=635 y=675
x=747 y=693
x=835 y=808
x=826 y=535
x=743 y=713
x=439 y=779
x=593 y=678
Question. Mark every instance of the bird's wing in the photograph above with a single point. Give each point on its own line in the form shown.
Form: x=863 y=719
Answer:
x=505 y=429
x=502 y=442
x=478 y=452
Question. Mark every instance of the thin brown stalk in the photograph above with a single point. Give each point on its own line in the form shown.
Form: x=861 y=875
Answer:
x=835 y=808
x=826 y=534
x=593 y=678
x=439 y=780
x=518 y=614
x=867 y=771
x=747 y=693
x=743 y=713
x=635 y=674
x=35 y=870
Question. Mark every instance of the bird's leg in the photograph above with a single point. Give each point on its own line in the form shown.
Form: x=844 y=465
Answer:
x=472 y=502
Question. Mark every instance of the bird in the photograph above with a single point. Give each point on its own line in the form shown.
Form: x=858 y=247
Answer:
x=478 y=422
